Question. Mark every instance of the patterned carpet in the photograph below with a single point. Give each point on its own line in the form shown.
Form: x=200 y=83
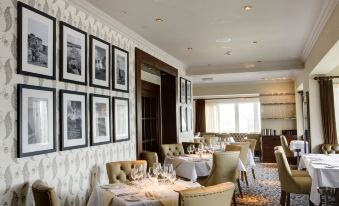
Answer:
x=265 y=190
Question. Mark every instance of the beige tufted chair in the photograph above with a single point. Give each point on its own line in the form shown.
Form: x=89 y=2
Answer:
x=217 y=195
x=253 y=143
x=206 y=140
x=290 y=184
x=238 y=148
x=295 y=173
x=44 y=195
x=330 y=148
x=120 y=171
x=245 y=146
x=172 y=150
x=284 y=145
x=149 y=157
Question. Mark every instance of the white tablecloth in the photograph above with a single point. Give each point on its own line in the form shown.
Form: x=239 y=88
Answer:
x=324 y=171
x=298 y=144
x=120 y=194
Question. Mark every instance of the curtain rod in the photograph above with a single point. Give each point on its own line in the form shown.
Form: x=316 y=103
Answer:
x=326 y=77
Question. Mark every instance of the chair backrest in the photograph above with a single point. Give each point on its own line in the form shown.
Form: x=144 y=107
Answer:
x=285 y=146
x=121 y=171
x=330 y=148
x=245 y=146
x=232 y=147
x=224 y=168
x=172 y=150
x=44 y=195
x=217 y=195
x=206 y=140
x=149 y=157
x=285 y=175
x=253 y=143
x=186 y=144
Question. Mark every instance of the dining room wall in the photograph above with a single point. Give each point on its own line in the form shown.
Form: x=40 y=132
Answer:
x=72 y=173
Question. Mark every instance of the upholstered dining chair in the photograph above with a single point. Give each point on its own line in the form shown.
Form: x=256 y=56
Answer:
x=295 y=173
x=149 y=157
x=253 y=143
x=238 y=148
x=290 y=184
x=217 y=195
x=172 y=150
x=245 y=146
x=44 y=195
x=285 y=146
x=121 y=171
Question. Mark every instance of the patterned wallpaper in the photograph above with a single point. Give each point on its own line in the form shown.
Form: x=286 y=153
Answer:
x=73 y=173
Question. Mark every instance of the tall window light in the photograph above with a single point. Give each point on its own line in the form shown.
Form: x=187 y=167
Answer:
x=233 y=115
x=336 y=105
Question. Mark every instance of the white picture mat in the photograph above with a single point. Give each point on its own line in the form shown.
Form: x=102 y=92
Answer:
x=74 y=97
x=26 y=93
x=124 y=54
x=106 y=47
x=121 y=119
x=183 y=119
x=98 y=139
x=26 y=14
x=66 y=75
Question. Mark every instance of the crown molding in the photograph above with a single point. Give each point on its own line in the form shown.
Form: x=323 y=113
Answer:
x=325 y=14
x=127 y=32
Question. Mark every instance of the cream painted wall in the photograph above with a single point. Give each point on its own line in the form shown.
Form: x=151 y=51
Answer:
x=251 y=88
x=327 y=39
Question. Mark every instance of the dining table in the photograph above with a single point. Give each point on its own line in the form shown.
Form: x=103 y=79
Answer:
x=140 y=193
x=324 y=171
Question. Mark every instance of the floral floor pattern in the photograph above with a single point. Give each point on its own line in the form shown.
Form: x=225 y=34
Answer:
x=265 y=190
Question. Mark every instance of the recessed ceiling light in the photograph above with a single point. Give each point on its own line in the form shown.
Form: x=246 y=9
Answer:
x=124 y=12
x=228 y=53
x=255 y=42
x=189 y=48
x=248 y=8
x=158 y=19
x=224 y=40
x=226 y=47
x=259 y=61
x=207 y=79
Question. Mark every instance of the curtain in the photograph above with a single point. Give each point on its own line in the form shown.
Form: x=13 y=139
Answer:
x=212 y=117
x=328 y=111
x=200 y=118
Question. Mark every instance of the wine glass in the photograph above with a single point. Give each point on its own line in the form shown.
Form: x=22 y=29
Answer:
x=189 y=149
x=157 y=168
x=134 y=172
x=172 y=176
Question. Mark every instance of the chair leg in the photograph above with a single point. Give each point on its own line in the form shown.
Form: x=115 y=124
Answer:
x=239 y=187
x=234 y=200
x=245 y=175
x=288 y=199
x=283 y=198
x=242 y=175
x=253 y=173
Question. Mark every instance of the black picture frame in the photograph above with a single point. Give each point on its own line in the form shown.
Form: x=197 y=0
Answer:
x=92 y=142
x=91 y=62
x=22 y=68
x=63 y=71
x=21 y=112
x=183 y=119
x=62 y=93
x=182 y=90
x=115 y=119
x=188 y=91
x=114 y=87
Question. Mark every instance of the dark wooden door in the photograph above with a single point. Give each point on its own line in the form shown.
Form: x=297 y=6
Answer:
x=150 y=116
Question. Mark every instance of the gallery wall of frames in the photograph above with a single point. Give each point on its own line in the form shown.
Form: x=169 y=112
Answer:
x=62 y=102
x=186 y=116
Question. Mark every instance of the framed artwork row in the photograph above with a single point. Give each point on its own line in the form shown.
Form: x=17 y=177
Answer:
x=37 y=53
x=185 y=91
x=186 y=123
x=37 y=120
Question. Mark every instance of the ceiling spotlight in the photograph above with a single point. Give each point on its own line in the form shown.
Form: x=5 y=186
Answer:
x=259 y=61
x=255 y=42
x=228 y=53
x=189 y=48
x=248 y=8
x=158 y=19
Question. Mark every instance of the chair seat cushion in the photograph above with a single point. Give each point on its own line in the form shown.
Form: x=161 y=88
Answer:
x=304 y=185
x=297 y=173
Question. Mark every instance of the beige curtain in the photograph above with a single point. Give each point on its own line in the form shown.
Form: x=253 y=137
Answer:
x=212 y=117
x=200 y=118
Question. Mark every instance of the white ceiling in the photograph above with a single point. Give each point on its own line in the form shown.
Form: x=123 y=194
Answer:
x=281 y=27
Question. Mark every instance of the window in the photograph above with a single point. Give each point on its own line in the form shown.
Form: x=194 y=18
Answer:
x=236 y=115
x=336 y=105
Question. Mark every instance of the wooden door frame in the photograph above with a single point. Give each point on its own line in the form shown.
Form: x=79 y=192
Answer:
x=142 y=57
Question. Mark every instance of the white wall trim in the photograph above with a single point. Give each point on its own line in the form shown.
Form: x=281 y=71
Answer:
x=325 y=14
x=125 y=31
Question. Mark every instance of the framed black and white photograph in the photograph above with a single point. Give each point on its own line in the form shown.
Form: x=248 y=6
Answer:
x=36 y=120
x=183 y=119
x=121 y=119
x=120 y=69
x=36 y=42
x=189 y=119
x=73 y=51
x=182 y=90
x=99 y=59
x=73 y=119
x=100 y=119
x=188 y=91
